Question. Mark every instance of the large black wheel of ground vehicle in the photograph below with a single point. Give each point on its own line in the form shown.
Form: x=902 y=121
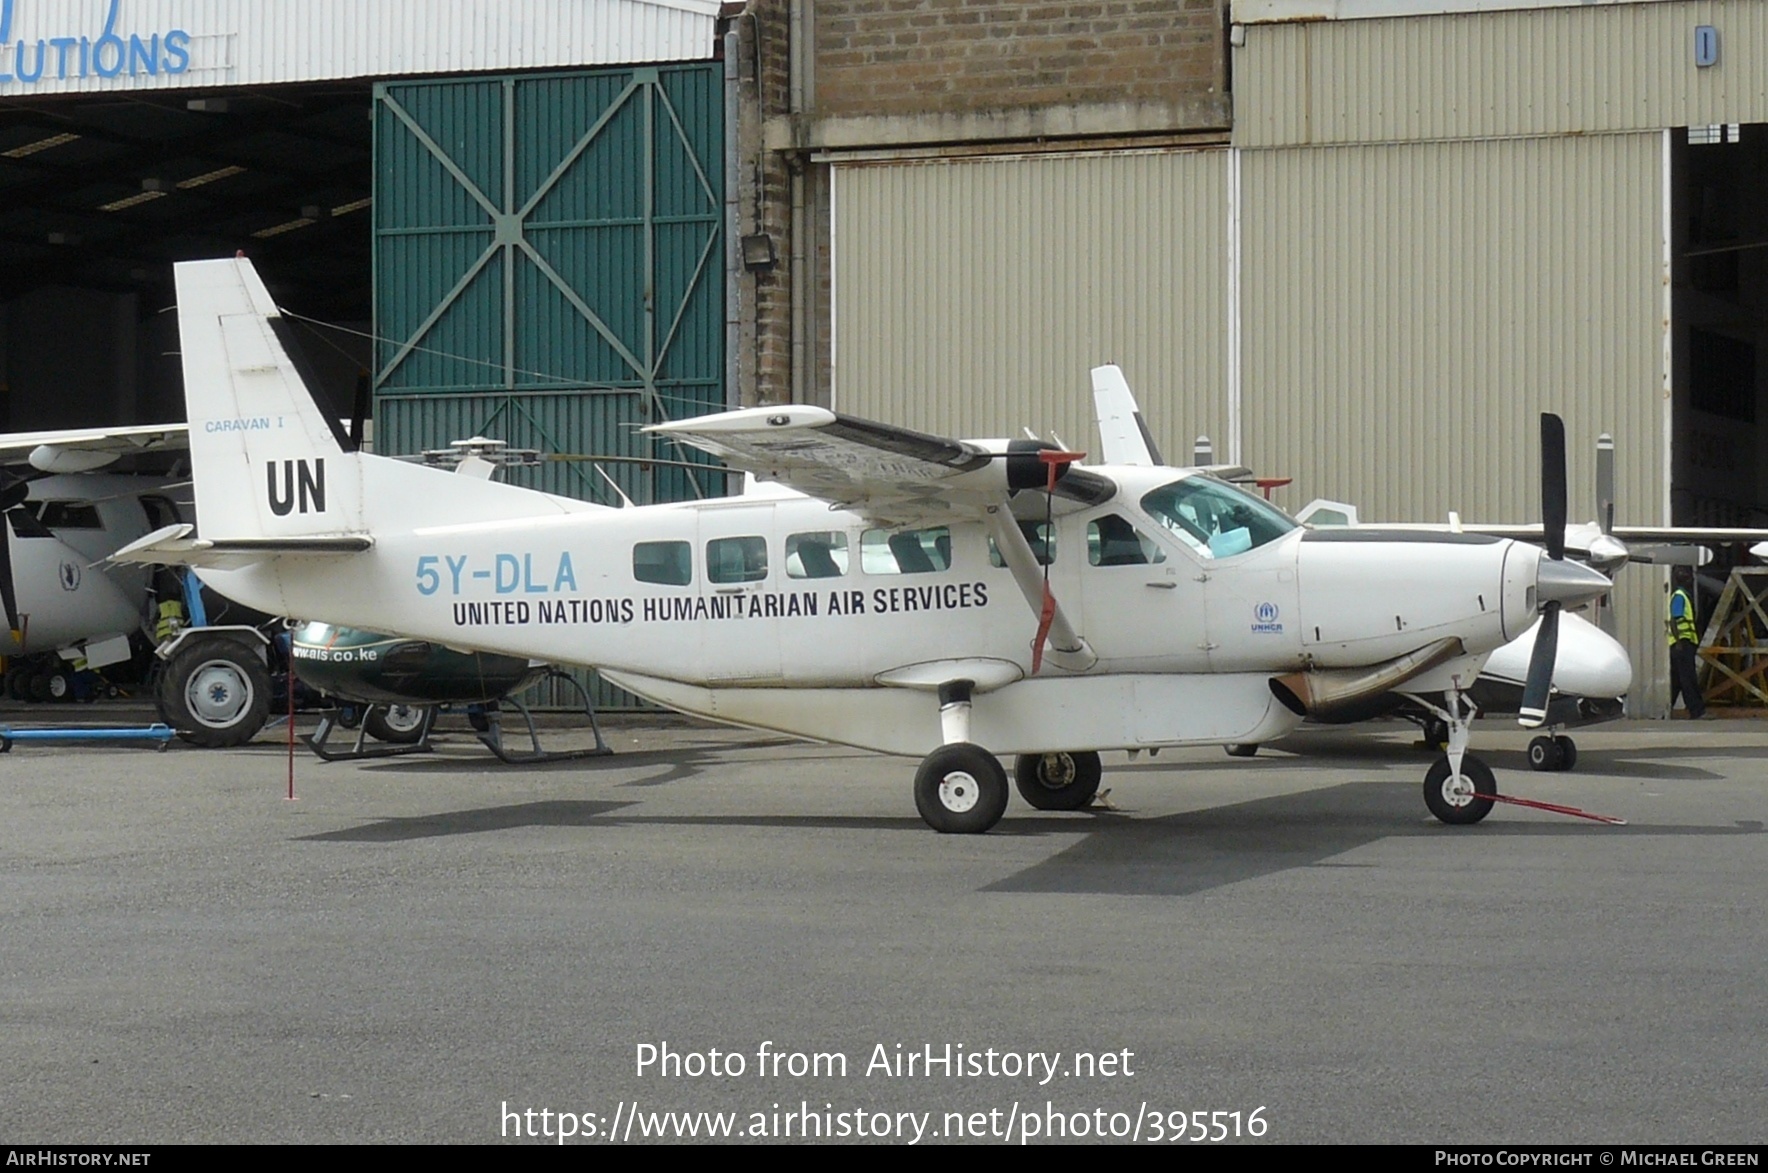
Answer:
x=1064 y=781
x=1454 y=798
x=215 y=693
x=961 y=789
x=18 y=682
x=398 y=724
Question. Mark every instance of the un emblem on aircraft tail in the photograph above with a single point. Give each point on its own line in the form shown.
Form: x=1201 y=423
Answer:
x=303 y=483
x=1264 y=618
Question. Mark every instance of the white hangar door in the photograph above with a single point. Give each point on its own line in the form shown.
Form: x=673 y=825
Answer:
x=972 y=296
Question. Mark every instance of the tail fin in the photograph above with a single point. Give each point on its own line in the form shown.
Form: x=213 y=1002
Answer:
x=267 y=461
x=1123 y=437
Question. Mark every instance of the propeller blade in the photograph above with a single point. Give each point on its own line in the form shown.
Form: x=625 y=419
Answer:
x=1605 y=482
x=13 y=491
x=1535 y=690
x=1553 y=484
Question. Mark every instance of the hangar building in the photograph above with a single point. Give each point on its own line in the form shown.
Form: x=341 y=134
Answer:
x=1357 y=242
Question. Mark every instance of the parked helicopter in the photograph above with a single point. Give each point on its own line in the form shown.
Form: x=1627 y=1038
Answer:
x=861 y=601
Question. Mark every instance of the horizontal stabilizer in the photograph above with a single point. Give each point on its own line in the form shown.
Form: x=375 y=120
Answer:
x=172 y=545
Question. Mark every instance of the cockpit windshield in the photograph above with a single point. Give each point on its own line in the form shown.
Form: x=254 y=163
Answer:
x=1215 y=518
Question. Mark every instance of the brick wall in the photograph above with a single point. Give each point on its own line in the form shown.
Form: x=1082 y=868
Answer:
x=906 y=57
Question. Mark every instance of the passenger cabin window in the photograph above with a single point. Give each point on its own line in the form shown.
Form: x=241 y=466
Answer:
x=1038 y=534
x=915 y=551
x=1215 y=518
x=668 y=563
x=816 y=555
x=1113 y=541
x=731 y=560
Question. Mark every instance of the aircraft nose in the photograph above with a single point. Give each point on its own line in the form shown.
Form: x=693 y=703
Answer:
x=1569 y=583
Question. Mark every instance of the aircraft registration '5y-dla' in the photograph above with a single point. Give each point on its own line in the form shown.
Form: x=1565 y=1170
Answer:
x=884 y=594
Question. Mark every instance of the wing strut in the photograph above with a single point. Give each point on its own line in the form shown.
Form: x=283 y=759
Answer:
x=1067 y=648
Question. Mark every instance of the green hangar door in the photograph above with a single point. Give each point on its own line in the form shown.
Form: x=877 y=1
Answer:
x=549 y=267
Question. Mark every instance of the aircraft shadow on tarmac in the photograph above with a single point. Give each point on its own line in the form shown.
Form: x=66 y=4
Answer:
x=1195 y=851
x=1117 y=854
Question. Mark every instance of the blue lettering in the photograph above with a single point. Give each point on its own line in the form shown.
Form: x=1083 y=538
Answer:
x=177 y=51
x=144 y=56
x=32 y=75
x=62 y=45
x=566 y=577
x=455 y=566
x=508 y=562
x=108 y=41
x=529 y=586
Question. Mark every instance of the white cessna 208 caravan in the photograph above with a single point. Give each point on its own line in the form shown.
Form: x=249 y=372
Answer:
x=945 y=599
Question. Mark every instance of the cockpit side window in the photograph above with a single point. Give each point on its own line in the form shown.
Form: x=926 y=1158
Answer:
x=1214 y=518
x=1113 y=541
x=69 y=515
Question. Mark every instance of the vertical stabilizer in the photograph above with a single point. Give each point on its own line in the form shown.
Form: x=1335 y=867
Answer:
x=1123 y=437
x=267 y=461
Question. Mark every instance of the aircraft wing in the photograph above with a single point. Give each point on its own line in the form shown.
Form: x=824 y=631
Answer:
x=891 y=475
x=85 y=449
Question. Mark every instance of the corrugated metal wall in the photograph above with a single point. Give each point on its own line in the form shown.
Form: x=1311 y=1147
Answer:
x=972 y=297
x=549 y=271
x=263 y=42
x=1408 y=310
x=1477 y=75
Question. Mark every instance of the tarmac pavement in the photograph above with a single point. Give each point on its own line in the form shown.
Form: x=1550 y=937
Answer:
x=443 y=948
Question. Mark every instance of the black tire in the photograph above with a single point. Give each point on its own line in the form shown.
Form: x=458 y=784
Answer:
x=39 y=687
x=1065 y=781
x=1241 y=749
x=215 y=693
x=397 y=724
x=18 y=683
x=1545 y=754
x=1568 y=752
x=961 y=789
x=1453 y=800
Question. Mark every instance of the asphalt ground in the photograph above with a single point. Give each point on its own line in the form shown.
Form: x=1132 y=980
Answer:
x=441 y=948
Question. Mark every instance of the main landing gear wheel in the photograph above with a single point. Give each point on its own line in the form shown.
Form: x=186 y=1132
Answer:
x=1453 y=798
x=961 y=789
x=1241 y=749
x=1064 y=781
x=216 y=693
x=397 y=724
x=1552 y=753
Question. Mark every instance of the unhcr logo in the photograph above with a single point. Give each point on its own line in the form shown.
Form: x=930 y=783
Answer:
x=109 y=54
x=1265 y=620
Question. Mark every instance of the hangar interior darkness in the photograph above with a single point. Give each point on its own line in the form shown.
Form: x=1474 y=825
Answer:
x=1719 y=305
x=100 y=194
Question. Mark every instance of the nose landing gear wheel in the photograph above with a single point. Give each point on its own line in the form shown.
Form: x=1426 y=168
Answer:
x=1453 y=797
x=1064 y=781
x=961 y=789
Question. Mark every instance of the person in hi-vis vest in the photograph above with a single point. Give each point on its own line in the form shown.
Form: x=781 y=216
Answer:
x=1684 y=637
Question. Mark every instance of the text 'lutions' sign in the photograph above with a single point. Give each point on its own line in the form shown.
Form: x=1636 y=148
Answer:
x=29 y=54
